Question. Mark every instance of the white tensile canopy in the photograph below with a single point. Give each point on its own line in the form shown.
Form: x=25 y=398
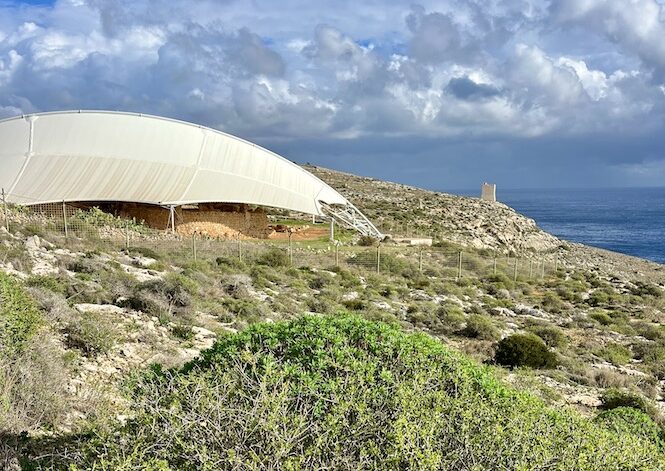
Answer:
x=127 y=157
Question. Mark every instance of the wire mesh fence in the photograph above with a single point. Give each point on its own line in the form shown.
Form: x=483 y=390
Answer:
x=78 y=225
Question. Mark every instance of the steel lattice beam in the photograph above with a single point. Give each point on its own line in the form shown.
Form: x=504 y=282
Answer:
x=352 y=217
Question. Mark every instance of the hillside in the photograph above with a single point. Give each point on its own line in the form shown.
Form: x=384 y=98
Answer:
x=574 y=360
x=408 y=211
x=399 y=209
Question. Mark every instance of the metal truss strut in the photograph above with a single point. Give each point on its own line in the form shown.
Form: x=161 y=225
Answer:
x=353 y=218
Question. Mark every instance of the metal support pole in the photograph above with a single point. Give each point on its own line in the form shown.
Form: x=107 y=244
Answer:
x=420 y=260
x=239 y=247
x=194 y=246
x=515 y=270
x=172 y=218
x=127 y=235
x=6 y=211
x=64 y=218
x=378 y=258
x=336 y=254
x=332 y=229
x=459 y=265
x=530 y=268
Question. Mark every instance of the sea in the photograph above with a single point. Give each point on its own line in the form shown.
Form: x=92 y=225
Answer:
x=625 y=220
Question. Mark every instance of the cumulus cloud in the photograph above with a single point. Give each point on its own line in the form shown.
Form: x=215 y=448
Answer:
x=293 y=72
x=635 y=25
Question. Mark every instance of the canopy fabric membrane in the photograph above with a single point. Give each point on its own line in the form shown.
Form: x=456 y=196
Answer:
x=127 y=157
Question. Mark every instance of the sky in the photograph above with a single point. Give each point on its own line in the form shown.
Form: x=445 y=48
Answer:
x=439 y=94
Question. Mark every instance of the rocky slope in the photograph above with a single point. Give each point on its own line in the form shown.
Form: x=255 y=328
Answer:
x=402 y=210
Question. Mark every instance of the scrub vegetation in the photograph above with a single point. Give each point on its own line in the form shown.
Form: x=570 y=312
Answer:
x=147 y=359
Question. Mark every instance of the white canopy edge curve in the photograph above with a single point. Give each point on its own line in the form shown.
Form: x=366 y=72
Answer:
x=133 y=157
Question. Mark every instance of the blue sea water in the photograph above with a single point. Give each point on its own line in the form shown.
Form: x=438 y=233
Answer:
x=626 y=220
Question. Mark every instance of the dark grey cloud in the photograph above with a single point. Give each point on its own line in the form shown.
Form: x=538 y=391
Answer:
x=466 y=89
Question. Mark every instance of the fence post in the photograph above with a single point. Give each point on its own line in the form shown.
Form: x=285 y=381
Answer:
x=336 y=254
x=378 y=258
x=290 y=249
x=64 y=218
x=127 y=235
x=420 y=260
x=194 y=246
x=6 y=211
x=239 y=247
x=459 y=265
x=515 y=270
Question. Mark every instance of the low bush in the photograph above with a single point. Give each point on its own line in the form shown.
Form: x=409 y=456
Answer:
x=481 y=327
x=629 y=420
x=275 y=257
x=551 y=335
x=182 y=331
x=616 y=354
x=613 y=398
x=19 y=316
x=92 y=333
x=175 y=288
x=367 y=241
x=49 y=282
x=524 y=350
x=354 y=304
x=552 y=303
x=601 y=317
x=344 y=393
x=451 y=316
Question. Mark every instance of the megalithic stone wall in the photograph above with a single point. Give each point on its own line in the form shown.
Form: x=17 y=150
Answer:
x=244 y=223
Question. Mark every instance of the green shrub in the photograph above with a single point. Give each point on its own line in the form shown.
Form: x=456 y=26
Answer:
x=629 y=420
x=481 y=327
x=367 y=241
x=551 y=335
x=601 y=317
x=275 y=257
x=146 y=252
x=354 y=304
x=175 y=288
x=249 y=310
x=552 y=303
x=182 y=331
x=19 y=316
x=49 y=282
x=616 y=354
x=92 y=333
x=451 y=316
x=524 y=350
x=647 y=289
x=498 y=281
x=613 y=398
x=650 y=331
x=344 y=393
